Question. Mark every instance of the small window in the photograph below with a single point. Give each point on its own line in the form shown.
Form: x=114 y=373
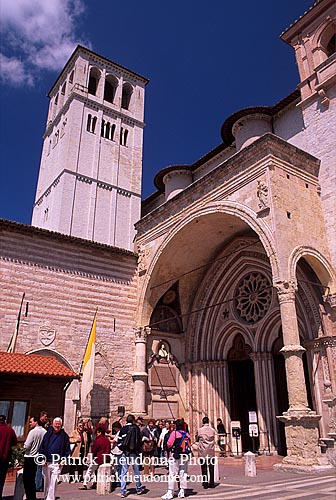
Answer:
x=91 y=123
x=94 y=123
x=112 y=132
x=56 y=100
x=16 y=413
x=63 y=88
x=126 y=96
x=93 y=81
x=108 y=130
x=63 y=126
x=71 y=77
x=123 y=136
x=55 y=139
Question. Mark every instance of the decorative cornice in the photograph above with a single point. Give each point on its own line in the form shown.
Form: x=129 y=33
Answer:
x=71 y=271
x=87 y=180
x=18 y=227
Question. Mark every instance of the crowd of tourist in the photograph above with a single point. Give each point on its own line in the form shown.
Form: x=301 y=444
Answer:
x=142 y=446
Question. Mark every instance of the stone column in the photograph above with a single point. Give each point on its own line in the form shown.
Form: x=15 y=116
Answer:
x=140 y=374
x=259 y=380
x=301 y=424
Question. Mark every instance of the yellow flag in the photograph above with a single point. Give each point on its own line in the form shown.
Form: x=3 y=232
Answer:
x=88 y=363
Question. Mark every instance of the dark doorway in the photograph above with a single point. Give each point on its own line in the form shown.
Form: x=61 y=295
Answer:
x=242 y=390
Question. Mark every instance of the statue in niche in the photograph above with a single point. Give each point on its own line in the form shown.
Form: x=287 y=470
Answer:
x=163 y=351
x=262 y=194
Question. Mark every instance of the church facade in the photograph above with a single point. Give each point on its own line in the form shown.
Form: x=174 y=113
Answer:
x=225 y=304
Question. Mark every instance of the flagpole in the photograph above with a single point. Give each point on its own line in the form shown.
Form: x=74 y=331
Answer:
x=88 y=340
x=16 y=331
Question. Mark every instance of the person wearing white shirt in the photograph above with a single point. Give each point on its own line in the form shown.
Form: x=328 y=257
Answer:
x=31 y=446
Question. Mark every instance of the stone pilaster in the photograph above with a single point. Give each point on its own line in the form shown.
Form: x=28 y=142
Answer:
x=140 y=374
x=301 y=424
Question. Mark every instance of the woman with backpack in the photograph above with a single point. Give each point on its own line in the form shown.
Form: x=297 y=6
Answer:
x=179 y=446
x=150 y=438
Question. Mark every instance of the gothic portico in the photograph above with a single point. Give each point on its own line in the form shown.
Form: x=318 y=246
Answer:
x=241 y=344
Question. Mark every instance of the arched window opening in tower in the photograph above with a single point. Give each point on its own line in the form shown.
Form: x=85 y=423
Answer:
x=71 y=77
x=63 y=88
x=126 y=96
x=111 y=84
x=93 y=81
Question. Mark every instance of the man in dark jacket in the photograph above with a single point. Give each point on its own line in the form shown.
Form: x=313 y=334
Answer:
x=130 y=444
x=7 y=440
x=54 y=447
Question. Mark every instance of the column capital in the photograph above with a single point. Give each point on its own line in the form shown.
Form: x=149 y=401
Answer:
x=286 y=290
x=291 y=349
x=141 y=333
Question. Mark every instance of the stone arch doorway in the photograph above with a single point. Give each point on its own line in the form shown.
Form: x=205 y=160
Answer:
x=242 y=389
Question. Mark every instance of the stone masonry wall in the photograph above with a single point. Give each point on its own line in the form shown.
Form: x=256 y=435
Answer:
x=64 y=281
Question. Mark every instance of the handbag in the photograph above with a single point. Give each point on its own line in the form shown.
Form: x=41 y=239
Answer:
x=148 y=446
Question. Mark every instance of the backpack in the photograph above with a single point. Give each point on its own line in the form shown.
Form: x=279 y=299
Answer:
x=182 y=446
x=130 y=442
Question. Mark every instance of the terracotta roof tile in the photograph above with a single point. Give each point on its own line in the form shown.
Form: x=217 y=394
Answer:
x=33 y=364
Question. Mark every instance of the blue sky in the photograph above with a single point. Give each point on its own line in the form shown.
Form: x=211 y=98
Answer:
x=205 y=60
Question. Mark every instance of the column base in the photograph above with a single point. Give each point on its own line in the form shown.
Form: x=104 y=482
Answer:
x=302 y=439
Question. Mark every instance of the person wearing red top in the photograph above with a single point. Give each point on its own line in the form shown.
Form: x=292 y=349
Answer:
x=100 y=450
x=7 y=440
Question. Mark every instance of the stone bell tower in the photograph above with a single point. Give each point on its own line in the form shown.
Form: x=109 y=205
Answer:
x=89 y=183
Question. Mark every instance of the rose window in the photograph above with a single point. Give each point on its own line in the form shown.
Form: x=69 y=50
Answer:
x=254 y=294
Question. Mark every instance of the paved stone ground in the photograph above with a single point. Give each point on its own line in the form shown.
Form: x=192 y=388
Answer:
x=233 y=485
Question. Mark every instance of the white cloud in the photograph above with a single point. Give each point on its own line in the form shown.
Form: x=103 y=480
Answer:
x=37 y=34
x=13 y=72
